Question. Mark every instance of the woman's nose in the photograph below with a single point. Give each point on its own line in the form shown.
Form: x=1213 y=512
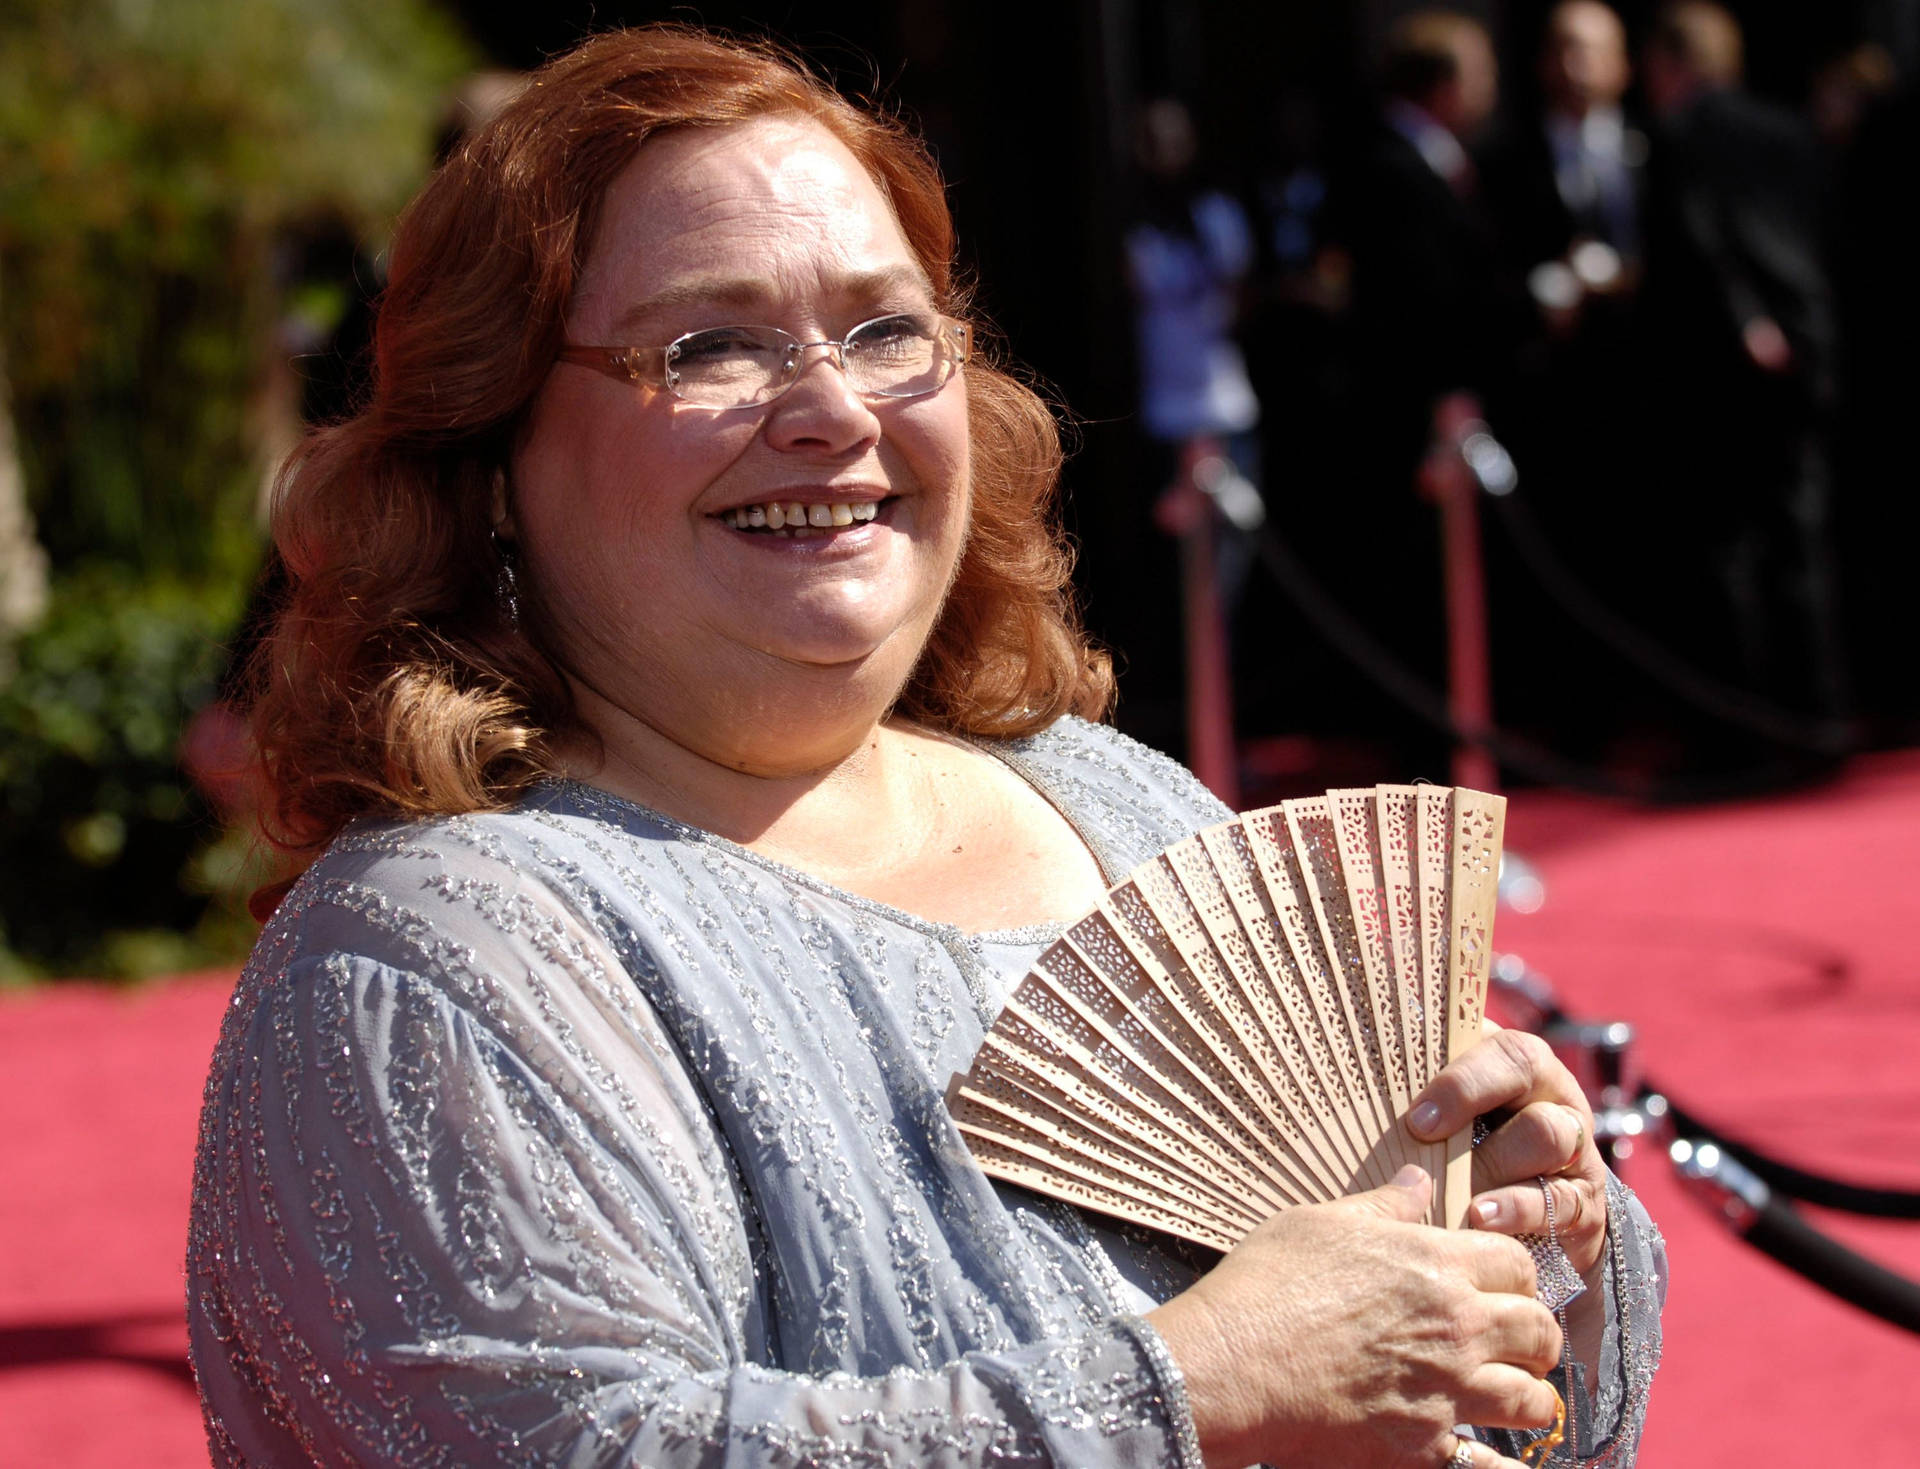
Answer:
x=836 y=354
x=821 y=409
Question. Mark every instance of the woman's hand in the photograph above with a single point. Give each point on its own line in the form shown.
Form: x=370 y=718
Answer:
x=1349 y=1334
x=1543 y=1129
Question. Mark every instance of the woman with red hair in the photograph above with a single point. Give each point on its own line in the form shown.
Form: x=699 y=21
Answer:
x=680 y=707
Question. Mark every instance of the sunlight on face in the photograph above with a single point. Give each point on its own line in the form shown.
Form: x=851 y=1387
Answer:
x=635 y=511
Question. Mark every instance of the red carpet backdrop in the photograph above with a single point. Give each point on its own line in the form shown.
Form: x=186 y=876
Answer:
x=1763 y=951
x=102 y=1096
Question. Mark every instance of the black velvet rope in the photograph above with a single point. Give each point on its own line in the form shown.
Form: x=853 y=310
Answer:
x=1358 y=645
x=1720 y=700
x=1798 y=1183
x=1779 y=1232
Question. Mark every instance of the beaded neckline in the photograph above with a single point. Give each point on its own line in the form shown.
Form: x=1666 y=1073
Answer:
x=593 y=798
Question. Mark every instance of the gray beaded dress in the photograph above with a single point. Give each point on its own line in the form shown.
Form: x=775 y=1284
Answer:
x=573 y=1135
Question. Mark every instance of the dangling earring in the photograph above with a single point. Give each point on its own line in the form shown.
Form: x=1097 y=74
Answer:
x=506 y=586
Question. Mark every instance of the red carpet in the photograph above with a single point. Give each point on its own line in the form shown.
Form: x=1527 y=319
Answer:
x=1763 y=951
x=102 y=1096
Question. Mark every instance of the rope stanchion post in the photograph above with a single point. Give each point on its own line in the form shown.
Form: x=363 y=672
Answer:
x=1186 y=511
x=1448 y=480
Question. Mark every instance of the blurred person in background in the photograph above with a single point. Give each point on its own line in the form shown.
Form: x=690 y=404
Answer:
x=1846 y=89
x=1414 y=219
x=1745 y=355
x=1430 y=314
x=1189 y=253
x=1564 y=186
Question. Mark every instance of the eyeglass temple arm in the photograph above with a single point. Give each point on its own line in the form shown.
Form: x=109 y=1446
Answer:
x=628 y=364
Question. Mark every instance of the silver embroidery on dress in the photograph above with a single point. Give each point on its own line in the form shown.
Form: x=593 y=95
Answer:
x=572 y=1135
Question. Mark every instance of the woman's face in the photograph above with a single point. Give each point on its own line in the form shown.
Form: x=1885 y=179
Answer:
x=623 y=497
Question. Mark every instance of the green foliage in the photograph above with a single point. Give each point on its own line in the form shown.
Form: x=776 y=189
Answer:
x=101 y=825
x=155 y=158
x=152 y=152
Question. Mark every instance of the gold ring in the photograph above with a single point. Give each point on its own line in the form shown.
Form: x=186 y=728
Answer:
x=1536 y=1453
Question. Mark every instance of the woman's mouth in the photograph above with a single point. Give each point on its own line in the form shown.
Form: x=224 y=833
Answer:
x=798 y=519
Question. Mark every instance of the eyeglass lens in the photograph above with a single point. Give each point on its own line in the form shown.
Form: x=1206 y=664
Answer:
x=731 y=366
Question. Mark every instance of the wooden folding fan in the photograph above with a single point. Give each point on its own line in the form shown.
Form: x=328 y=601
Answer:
x=1243 y=1023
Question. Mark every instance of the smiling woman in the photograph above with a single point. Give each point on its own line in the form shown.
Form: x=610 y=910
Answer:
x=675 y=703
x=423 y=700
x=627 y=500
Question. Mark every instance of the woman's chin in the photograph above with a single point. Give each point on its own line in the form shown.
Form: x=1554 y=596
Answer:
x=855 y=648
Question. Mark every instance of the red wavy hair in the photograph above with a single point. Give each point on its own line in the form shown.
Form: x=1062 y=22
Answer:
x=392 y=683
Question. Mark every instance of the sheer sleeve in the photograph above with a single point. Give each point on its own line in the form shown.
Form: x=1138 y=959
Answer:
x=458 y=1202
x=1608 y=1415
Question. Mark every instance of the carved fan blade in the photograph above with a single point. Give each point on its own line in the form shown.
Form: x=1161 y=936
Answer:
x=1242 y=1024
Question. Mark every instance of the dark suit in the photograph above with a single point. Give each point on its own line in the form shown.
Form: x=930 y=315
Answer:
x=1577 y=384
x=1536 y=221
x=1575 y=413
x=1430 y=311
x=1733 y=235
x=1427 y=316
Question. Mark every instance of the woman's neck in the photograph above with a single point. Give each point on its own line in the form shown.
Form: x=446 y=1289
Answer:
x=898 y=814
x=748 y=776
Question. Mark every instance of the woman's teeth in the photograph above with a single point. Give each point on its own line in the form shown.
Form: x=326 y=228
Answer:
x=794 y=518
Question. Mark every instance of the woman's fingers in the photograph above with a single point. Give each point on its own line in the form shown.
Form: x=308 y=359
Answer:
x=1546 y=1133
x=1280 y=1342
x=1493 y=1263
x=1545 y=1137
x=1509 y=1069
x=1502 y=1396
x=1478 y=1456
x=1522 y=1333
x=1521 y=1208
x=1543 y=1147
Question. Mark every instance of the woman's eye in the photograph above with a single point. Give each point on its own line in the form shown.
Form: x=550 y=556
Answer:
x=904 y=325
x=892 y=334
x=724 y=342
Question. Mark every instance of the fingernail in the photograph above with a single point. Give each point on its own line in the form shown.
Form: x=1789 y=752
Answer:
x=1425 y=1117
x=1409 y=1176
x=1486 y=1211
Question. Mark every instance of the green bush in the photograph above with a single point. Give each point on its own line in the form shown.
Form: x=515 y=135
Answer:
x=106 y=865
x=155 y=159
